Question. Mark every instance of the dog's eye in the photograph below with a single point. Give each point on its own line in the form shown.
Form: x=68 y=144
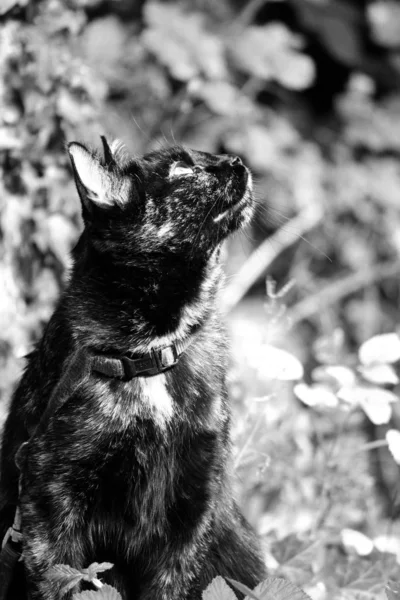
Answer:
x=180 y=169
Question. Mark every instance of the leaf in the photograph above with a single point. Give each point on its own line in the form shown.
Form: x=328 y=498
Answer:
x=218 y=589
x=275 y=363
x=258 y=145
x=276 y=588
x=296 y=553
x=8 y=140
x=68 y=577
x=271 y=52
x=7 y=5
x=244 y=589
x=181 y=42
x=65 y=576
x=46 y=288
x=375 y=402
x=393 y=440
x=384 y=21
x=392 y=590
x=107 y=592
x=317 y=591
x=361 y=578
x=377 y=405
x=388 y=544
x=357 y=541
x=297 y=72
x=318 y=396
x=95 y=568
x=380 y=373
x=342 y=39
x=59 y=572
x=380 y=349
x=56 y=233
x=377 y=412
x=105 y=57
x=338 y=375
x=221 y=97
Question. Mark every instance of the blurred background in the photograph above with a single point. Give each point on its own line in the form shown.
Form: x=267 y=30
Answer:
x=307 y=92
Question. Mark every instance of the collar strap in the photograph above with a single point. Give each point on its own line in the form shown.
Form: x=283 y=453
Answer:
x=126 y=367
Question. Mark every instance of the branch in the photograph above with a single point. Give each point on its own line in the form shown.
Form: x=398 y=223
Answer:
x=339 y=289
x=258 y=262
x=249 y=11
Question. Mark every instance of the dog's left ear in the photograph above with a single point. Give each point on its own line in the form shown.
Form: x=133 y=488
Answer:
x=97 y=184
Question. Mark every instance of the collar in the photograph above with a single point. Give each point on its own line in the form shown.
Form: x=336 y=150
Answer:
x=148 y=364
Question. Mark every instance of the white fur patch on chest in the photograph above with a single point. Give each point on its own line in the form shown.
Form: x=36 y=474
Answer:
x=156 y=397
x=150 y=400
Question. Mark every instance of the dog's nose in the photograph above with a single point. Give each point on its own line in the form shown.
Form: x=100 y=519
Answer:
x=234 y=161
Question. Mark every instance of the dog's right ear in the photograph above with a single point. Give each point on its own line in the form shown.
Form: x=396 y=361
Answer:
x=97 y=185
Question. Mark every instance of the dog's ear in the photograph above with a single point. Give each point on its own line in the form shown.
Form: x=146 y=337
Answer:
x=97 y=183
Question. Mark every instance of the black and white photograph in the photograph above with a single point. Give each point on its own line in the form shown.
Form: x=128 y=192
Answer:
x=199 y=299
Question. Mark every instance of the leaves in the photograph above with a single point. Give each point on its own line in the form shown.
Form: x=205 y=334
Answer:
x=389 y=544
x=380 y=373
x=357 y=541
x=276 y=588
x=297 y=557
x=68 y=577
x=64 y=575
x=275 y=363
x=393 y=440
x=384 y=19
x=105 y=593
x=7 y=5
x=272 y=52
x=221 y=97
x=182 y=43
x=218 y=589
x=337 y=375
x=244 y=589
x=342 y=39
x=272 y=588
x=380 y=349
x=375 y=402
x=57 y=234
x=317 y=396
x=337 y=26
x=358 y=578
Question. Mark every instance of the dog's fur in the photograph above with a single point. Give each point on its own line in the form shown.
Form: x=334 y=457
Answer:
x=136 y=473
